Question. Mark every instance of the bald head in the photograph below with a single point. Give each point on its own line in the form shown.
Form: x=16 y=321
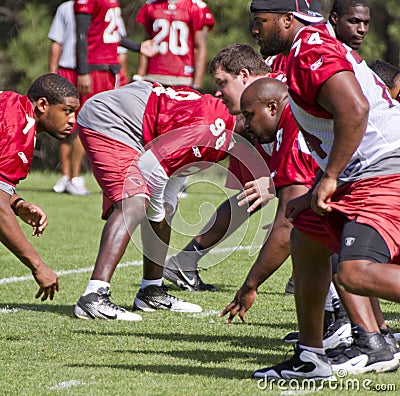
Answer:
x=264 y=90
x=262 y=104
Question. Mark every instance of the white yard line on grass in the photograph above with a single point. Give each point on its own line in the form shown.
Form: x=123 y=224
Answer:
x=14 y=279
x=69 y=384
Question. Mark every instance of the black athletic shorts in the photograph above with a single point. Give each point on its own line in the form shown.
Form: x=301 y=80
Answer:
x=362 y=242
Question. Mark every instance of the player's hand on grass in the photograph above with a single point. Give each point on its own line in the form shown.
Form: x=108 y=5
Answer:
x=242 y=302
x=33 y=215
x=256 y=192
x=297 y=205
x=47 y=280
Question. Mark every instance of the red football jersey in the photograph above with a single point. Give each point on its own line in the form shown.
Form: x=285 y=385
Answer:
x=315 y=56
x=291 y=161
x=277 y=62
x=102 y=37
x=186 y=131
x=17 y=137
x=172 y=26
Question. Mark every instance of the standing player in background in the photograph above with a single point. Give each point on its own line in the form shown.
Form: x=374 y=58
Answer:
x=96 y=48
x=179 y=29
x=62 y=60
x=50 y=107
x=350 y=21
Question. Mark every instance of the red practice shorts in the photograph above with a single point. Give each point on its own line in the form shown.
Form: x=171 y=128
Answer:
x=373 y=201
x=114 y=165
x=69 y=74
x=101 y=81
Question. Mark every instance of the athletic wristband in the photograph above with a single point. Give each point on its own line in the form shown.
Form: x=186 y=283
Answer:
x=14 y=205
x=137 y=77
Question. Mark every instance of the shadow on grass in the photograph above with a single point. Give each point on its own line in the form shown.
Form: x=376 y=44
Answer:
x=205 y=356
x=261 y=343
x=220 y=372
x=175 y=369
x=49 y=307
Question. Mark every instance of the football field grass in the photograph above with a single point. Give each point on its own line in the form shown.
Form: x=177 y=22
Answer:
x=45 y=350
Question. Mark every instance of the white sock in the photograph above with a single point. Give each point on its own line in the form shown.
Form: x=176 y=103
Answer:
x=319 y=351
x=94 y=285
x=150 y=282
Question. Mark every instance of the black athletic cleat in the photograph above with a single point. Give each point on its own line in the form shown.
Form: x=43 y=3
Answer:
x=186 y=280
x=98 y=306
x=156 y=297
x=391 y=341
x=337 y=334
x=369 y=352
x=303 y=364
x=289 y=288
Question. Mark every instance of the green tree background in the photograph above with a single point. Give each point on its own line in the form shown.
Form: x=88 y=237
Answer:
x=24 y=26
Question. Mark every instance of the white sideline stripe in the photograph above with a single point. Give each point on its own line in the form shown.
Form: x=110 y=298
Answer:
x=14 y=279
x=68 y=384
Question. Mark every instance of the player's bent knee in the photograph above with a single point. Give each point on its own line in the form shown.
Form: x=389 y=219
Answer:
x=134 y=207
x=349 y=275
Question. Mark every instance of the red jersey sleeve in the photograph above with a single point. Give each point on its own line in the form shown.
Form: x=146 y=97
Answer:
x=209 y=19
x=315 y=56
x=143 y=19
x=17 y=137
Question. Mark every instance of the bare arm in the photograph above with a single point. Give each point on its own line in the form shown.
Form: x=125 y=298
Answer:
x=142 y=65
x=14 y=239
x=342 y=96
x=273 y=254
x=54 y=56
x=200 y=56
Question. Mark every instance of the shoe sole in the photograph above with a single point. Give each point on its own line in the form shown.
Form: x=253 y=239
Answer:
x=82 y=314
x=320 y=378
x=378 y=367
x=139 y=305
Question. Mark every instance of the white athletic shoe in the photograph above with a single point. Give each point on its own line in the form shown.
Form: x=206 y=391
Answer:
x=61 y=184
x=303 y=364
x=98 y=306
x=76 y=186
